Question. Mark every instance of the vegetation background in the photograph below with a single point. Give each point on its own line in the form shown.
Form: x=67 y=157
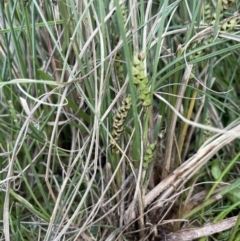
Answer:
x=119 y=120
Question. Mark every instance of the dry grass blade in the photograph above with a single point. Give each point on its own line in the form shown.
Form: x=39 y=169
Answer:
x=168 y=165
x=209 y=229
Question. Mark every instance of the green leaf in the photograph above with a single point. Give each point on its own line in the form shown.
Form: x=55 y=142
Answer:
x=234 y=195
x=216 y=169
x=42 y=75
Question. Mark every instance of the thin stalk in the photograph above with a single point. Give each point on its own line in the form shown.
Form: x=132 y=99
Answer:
x=183 y=132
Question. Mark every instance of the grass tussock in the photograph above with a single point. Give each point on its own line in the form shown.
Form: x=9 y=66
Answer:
x=119 y=120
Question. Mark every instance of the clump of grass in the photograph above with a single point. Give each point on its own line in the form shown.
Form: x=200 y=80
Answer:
x=163 y=163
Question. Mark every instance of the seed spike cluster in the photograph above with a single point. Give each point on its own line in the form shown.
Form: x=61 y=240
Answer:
x=227 y=3
x=119 y=69
x=148 y=157
x=201 y=52
x=232 y=22
x=119 y=120
x=124 y=11
x=210 y=17
x=229 y=25
x=207 y=10
x=210 y=14
x=140 y=79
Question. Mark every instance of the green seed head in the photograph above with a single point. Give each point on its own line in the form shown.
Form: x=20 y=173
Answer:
x=147 y=102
